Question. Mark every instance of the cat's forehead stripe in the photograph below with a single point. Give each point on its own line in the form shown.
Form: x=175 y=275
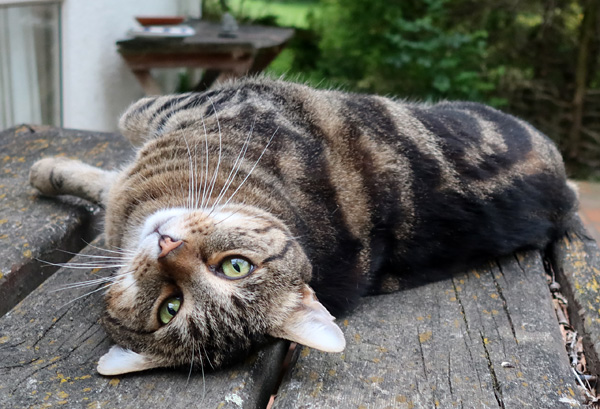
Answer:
x=279 y=255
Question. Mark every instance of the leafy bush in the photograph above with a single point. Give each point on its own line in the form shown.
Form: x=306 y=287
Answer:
x=409 y=48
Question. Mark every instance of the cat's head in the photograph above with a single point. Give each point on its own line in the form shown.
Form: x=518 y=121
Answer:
x=206 y=287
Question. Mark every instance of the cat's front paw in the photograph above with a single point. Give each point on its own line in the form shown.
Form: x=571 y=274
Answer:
x=47 y=175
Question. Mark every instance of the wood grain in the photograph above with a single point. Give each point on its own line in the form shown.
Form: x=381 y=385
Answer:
x=443 y=345
x=33 y=227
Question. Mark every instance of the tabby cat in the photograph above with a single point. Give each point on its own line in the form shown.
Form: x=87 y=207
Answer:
x=258 y=209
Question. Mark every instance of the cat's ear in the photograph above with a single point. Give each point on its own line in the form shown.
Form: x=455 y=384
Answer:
x=119 y=360
x=312 y=325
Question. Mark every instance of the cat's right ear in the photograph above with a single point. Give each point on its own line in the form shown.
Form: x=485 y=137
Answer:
x=312 y=325
x=119 y=360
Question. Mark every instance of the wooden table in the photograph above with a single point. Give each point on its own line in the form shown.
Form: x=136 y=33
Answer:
x=485 y=338
x=250 y=52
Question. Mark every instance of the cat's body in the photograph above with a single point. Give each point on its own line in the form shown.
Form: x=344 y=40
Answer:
x=324 y=188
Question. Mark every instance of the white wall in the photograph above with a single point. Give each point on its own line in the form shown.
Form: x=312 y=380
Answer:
x=97 y=85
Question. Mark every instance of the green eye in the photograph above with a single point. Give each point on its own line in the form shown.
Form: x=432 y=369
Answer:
x=168 y=309
x=236 y=267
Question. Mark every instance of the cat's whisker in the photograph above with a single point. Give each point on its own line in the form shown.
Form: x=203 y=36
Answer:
x=239 y=207
x=207 y=358
x=191 y=365
x=194 y=176
x=80 y=285
x=101 y=262
x=103 y=287
x=118 y=250
x=236 y=211
x=214 y=178
x=89 y=293
x=204 y=190
x=81 y=266
x=252 y=169
x=101 y=259
x=198 y=169
x=191 y=175
x=198 y=185
x=203 y=377
x=235 y=168
x=117 y=258
x=114 y=278
x=231 y=215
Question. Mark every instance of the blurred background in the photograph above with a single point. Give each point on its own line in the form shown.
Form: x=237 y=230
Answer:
x=537 y=59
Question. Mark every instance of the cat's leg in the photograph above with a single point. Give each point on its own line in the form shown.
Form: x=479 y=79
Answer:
x=61 y=176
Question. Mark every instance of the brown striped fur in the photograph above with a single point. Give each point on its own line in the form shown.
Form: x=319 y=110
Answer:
x=341 y=193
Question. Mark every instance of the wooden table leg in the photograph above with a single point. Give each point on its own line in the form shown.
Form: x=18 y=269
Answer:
x=209 y=76
x=242 y=69
x=148 y=82
x=263 y=58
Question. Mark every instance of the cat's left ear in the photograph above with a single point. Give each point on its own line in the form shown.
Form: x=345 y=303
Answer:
x=119 y=360
x=312 y=325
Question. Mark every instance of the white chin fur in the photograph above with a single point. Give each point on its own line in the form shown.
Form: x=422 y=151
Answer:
x=119 y=360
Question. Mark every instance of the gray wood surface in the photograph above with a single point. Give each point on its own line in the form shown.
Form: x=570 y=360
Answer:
x=576 y=261
x=443 y=345
x=31 y=226
x=50 y=346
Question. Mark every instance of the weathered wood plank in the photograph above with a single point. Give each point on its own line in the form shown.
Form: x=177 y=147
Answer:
x=576 y=261
x=49 y=349
x=443 y=345
x=33 y=227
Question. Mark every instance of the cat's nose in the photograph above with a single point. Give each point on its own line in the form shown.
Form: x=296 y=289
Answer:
x=167 y=245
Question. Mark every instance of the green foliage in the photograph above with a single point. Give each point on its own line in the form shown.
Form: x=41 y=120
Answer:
x=289 y=13
x=409 y=48
x=444 y=63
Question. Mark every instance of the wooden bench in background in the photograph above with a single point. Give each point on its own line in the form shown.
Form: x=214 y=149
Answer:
x=487 y=338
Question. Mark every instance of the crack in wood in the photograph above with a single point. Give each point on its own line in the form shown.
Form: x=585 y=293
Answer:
x=12 y=345
x=48 y=329
x=422 y=355
x=471 y=359
x=23 y=365
x=504 y=303
x=98 y=344
x=29 y=376
x=464 y=316
x=497 y=330
x=495 y=381
x=450 y=377
x=516 y=257
x=461 y=306
x=80 y=343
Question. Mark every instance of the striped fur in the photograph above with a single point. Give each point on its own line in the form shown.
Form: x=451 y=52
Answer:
x=346 y=193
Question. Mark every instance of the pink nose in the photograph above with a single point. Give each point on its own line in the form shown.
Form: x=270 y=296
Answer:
x=167 y=245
